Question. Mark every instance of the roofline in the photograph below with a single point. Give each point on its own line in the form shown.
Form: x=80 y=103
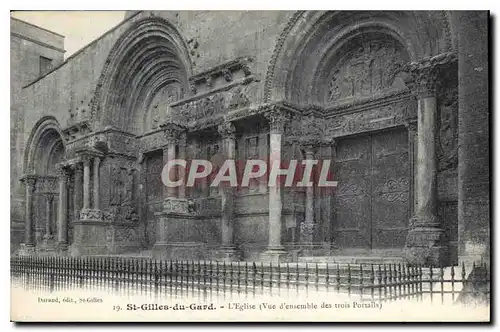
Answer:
x=36 y=26
x=38 y=42
x=81 y=50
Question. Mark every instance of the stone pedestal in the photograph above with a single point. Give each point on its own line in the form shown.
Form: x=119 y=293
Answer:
x=425 y=245
x=275 y=255
x=26 y=249
x=182 y=234
x=228 y=254
x=100 y=233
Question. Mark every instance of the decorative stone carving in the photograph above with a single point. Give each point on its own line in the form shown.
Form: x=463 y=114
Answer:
x=448 y=131
x=369 y=67
x=30 y=181
x=378 y=118
x=177 y=205
x=227 y=130
x=308 y=131
x=200 y=108
x=227 y=70
x=228 y=76
x=424 y=76
x=172 y=131
x=96 y=215
x=238 y=99
x=278 y=118
x=307 y=229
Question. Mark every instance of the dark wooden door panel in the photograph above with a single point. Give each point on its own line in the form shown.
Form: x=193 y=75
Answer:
x=352 y=197
x=390 y=189
x=371 y=203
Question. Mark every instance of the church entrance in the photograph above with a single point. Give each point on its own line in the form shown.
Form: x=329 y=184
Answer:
x=371 y=203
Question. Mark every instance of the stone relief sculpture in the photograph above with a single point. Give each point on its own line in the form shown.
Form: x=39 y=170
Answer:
x=365 y=70
x=448 y=133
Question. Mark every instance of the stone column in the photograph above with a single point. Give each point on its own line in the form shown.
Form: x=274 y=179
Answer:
x=278 y=119
x=29 y=182
x=424 y=244
x=49 y=198
x=181 y=172
x=228 y=250
x=86 y=183
x=172 y=134
x=412 y=136
x=97 y=162
x=62 y=223
x=77 y=193
x=307 y=226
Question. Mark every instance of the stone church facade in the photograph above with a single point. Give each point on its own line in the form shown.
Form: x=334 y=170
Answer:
x=397 y=100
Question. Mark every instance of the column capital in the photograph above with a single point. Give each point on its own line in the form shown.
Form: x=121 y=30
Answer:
x=412 y=125
x=62 y=171
x=49 y=197
x=278 y=118
x=310 y=147
x=227 y=130
x=77 y=168
x=425 y=75
x=29 y=180
x=172 y=131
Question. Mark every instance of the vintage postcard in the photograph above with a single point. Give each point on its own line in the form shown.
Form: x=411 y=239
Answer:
x=250 y=166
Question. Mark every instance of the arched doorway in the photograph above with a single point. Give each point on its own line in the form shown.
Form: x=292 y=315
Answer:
x=44 y=155
x=348 y=66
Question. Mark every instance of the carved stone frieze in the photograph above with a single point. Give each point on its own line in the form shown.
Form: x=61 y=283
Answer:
x=76 y=130
x=238 y=99
x=179 y=206
x=307 y=131
x=228 y=71
x=374 y=119
x=96 y=215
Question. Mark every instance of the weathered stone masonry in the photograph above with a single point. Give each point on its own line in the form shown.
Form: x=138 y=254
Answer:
x=381 y=94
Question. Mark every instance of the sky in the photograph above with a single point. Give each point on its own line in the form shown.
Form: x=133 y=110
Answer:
x=79 y=27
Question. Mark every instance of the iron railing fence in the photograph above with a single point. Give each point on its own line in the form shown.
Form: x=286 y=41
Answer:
x=209 y=279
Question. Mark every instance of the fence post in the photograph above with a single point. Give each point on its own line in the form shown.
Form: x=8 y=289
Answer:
x=338 y=278
x=262 y=277
x=246 y=279
x=327 y=277
x=271 y=278
x=306 y=278
x=348 y=280
x=372 y=282
x=297 y=277
x=238 y=276
x=361 y=280
x=224 y=279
